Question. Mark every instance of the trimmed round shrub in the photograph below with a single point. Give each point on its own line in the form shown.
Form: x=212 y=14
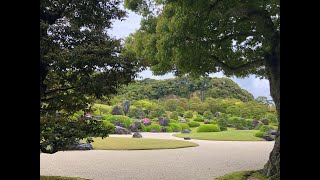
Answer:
x=173 y=121
x=259 y=126
x=193 y=124
x=168 y=129
x=156 y=127
x=174 y=115
x=212 y=122
x=208 y=128
x=143 y=128
x=184 y=126
x=222 y=124
x=188 y=119
x=198 y=119
x=108 y=125
x=175 y=126
x=259 y=134
x=266 y=128
x=188 y=114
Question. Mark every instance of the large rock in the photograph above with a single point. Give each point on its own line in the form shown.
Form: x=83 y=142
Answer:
x=136 y=135
x=182 y=121
x=185 y=131
x=273 y=132
x=116 y=123
x=216 y=114
x=116 y=111
x=135 y=127
x=80 y=146
x=265 y=121
x=163 y=121
x=121 y=130
x=268 y=138
x=153 y=131
x=175 y=130
x=187 y=138
x=255 y=123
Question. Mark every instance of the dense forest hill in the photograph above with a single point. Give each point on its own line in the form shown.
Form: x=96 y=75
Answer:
x=184 y=87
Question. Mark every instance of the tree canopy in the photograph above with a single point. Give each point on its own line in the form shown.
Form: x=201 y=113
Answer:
x=199 y=37
x=79 y=63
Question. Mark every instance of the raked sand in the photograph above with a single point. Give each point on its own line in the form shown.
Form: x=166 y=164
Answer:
x=205 y=162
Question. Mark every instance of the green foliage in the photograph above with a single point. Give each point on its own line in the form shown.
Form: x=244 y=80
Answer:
x=259 y=134
x=222 y=122
x=57 y=132
x=175 y=126
x=174 y=115
x=184 y=126
x=168 y=129
x=198 y=119
x=207 y=114
x=173 y=121
x=188 y=114
x=102 y=109
x=249 y=124
x=271 y=117
x=266 y=128
x=260 y=124
x=157 y=112
x=213 y=122
x=120 y=118
x=208 y=128
x=156 y=127
x=193 y=124
x=109 y=126
x=143 y=128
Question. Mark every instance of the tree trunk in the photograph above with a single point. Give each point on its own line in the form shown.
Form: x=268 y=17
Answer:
x=272 y=168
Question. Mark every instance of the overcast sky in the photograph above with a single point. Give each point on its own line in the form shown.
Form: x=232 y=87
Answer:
x=122 y=29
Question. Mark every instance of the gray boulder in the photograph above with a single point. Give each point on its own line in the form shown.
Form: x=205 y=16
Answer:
x=187 y=138
x=268 y=138
x=216 y=114
x=135 y=127
x=273 y=132
x=182 y=121
x=153 y=131
x=175 y=130
x=116 y=111
x=116 y=123
x=136 y=135
x=206 y=122
x=80 y=146
x=255 y=123
x=265 y=121
x=186 y=131
x=163 y=121
x=121 y=130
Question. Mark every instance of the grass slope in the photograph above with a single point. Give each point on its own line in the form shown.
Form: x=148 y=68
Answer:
x=230 y=135
x=121 y=143
x=243 y=175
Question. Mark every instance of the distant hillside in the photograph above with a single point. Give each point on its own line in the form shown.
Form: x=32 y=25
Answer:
x=185 y=88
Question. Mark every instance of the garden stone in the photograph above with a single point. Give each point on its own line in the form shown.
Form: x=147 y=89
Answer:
x=206 y=122
x=265 y=121
x=163 y=129
x=273 y=132
x=186 y=131
x=135 y=127
x=182 y=121
x=147 y=123
x=187 y=138
x=163 y=121
x=116 y=123
x=153 y=131
x=216 y=114
x=116 y=111
x=121 y=130
x=99 y=117
x=255 y=123
x=175 y=130
x=136 y=135
x=268 y=138
x=80 y=146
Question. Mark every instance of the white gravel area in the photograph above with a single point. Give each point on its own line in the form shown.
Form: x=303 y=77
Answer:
x=205 y=162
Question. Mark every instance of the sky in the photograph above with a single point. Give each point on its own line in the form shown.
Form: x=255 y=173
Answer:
x=122 y=29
